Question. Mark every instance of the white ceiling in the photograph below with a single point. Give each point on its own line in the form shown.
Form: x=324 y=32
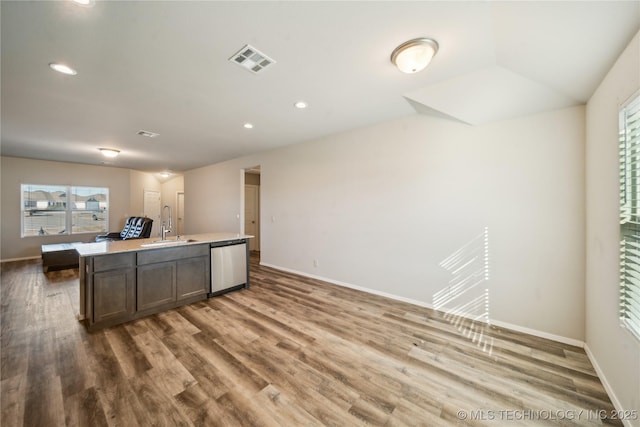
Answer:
x=163 y=67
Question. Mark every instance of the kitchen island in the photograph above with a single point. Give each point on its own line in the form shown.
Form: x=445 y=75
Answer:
x=129 y=279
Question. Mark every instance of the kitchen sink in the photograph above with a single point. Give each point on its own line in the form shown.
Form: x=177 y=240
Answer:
x=167 y=242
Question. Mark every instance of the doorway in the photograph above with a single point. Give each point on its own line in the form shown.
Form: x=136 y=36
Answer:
x=252 y=206
x=151 y=205
x=180 y=213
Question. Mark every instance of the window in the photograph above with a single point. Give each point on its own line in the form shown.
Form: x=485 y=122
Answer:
x=60 y=209
x=630 y=216
x=89 y=212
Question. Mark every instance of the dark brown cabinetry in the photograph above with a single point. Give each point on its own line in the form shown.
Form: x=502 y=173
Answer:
x=126 y=286
x=171 y=275
x=114 y=283
x=156 y=285
x=193 y=277
x=113 y=296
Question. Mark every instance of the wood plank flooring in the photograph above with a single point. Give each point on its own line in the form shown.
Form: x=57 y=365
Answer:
x=289 y=351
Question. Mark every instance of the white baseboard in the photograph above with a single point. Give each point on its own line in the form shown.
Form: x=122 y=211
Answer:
x=351 y=286
x=534 y=332
x=539 y=334
x=605 y=384
x=20 y=259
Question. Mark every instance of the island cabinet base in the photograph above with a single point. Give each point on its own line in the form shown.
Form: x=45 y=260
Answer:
x=126 y=286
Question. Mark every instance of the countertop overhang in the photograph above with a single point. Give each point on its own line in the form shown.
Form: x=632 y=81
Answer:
x=103 y=248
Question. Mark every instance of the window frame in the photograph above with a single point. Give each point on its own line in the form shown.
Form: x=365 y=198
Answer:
x=629 y=214
x=69 y=210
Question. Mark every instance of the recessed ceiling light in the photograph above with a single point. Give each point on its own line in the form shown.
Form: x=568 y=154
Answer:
x=61 y=68
x=85 y=3
x=109 y=152
x=248 y=126
x=300 y=104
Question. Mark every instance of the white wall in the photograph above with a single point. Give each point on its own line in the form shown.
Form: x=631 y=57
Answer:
x=125 y=198
x=615 y=351
x=16 y=171
x=212 y=197
x=140 y=182
x=381 y=207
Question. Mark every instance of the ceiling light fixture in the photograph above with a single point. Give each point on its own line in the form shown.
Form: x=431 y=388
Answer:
x=61 y=68
x=300 y=104
x=109 y=152
x=165 y=174
x=85 y=3
x=414 y=55
x=248 y=126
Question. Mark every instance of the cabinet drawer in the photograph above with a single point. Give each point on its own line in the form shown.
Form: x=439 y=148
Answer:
x=171 y=254
x=114 y=261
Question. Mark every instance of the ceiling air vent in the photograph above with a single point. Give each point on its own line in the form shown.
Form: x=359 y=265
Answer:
x=252 y=59
x=147 y=133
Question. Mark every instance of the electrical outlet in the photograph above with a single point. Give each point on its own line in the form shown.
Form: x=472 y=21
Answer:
x=315 y=262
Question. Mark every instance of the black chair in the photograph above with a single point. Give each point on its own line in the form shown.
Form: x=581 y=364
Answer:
x=135 y=227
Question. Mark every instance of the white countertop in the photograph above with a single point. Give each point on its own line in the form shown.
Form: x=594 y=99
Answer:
x=103 y=248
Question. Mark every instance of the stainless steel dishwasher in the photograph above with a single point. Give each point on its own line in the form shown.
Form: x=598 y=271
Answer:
x=229 y=268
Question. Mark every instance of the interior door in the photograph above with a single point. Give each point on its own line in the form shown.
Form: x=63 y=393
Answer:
x=151 y=209
x=252 y=215
x=180 y=213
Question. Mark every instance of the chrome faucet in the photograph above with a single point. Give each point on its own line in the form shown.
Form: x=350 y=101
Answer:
x=166 y=227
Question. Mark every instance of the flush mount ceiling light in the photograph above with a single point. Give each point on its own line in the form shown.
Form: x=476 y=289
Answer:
x=165 y=174
x=414 y=55
x=248 y=126
x=300 y=104
x=61 y=68
x=109 y=152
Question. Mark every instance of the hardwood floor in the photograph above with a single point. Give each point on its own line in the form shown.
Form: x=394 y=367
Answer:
x=289 y=351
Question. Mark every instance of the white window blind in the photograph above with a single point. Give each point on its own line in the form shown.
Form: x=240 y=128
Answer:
x=630 y=216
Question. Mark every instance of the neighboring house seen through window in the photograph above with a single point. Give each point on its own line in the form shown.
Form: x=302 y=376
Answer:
x=63 y=209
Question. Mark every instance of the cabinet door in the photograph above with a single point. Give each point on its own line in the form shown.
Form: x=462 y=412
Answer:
x=193 y=277
x=156 y=285
x=113 y=295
